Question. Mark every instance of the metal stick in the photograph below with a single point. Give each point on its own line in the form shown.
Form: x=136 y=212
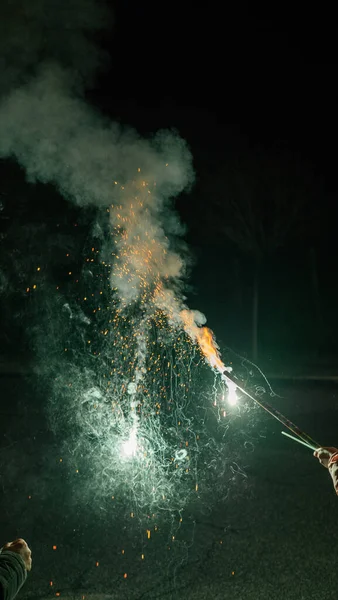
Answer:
x=298 y=440
x=274 y=413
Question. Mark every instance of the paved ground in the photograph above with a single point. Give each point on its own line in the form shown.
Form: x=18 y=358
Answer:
x=274 y=537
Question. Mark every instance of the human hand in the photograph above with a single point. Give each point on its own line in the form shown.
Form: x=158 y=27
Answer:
x=20 y=547
x=324 y=455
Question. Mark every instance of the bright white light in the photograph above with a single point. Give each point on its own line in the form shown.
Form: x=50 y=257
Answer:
x=232 y=394
x=129 y=446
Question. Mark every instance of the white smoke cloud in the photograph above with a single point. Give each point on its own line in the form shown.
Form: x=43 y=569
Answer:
x=58 y=138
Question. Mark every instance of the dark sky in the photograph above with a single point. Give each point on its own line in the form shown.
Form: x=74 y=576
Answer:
x=270 y=72
x=235 y=81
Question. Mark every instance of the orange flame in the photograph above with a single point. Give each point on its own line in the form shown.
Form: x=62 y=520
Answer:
x=205 y=339
x=208 y=346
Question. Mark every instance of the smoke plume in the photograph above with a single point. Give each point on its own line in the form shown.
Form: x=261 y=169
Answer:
x=47 y=56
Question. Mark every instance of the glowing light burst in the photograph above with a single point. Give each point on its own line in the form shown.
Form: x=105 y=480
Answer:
x=128 y=394
x=129 y=447
x=232 y=397
x=129 y=418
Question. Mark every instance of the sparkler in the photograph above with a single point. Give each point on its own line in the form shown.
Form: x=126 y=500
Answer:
x=309 y=441
x=204 y=337
x=299 y=441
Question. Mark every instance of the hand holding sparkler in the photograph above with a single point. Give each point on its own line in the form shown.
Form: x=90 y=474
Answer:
x=325 y=454
x=20 y=547
x=328 y=457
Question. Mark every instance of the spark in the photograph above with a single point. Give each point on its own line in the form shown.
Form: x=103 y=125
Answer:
x=128 y=390
x=232 y=397
x=130 y=446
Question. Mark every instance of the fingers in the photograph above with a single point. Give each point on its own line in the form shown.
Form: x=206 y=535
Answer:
x=20 y=543
x=17 y=544
x=28 y=559
x=321 y=452
x=327 y=449
x=324 y=455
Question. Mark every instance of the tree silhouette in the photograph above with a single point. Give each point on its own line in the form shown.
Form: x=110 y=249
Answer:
x=259 y=206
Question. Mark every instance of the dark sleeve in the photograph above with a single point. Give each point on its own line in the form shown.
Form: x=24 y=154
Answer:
x=12 y=574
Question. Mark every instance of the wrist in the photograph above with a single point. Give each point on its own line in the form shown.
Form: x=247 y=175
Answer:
x=333 y=459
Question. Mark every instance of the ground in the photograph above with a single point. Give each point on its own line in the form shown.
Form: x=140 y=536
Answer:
x=275 y=535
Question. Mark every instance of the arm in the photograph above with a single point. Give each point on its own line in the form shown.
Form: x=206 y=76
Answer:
x=333 y=470
x=15 y=561
x=328 y=457
x=12 y=574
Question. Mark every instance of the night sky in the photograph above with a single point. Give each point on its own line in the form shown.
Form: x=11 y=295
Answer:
x=221 y=507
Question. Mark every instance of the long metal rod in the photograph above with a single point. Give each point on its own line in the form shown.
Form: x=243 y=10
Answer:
x=274 y=413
